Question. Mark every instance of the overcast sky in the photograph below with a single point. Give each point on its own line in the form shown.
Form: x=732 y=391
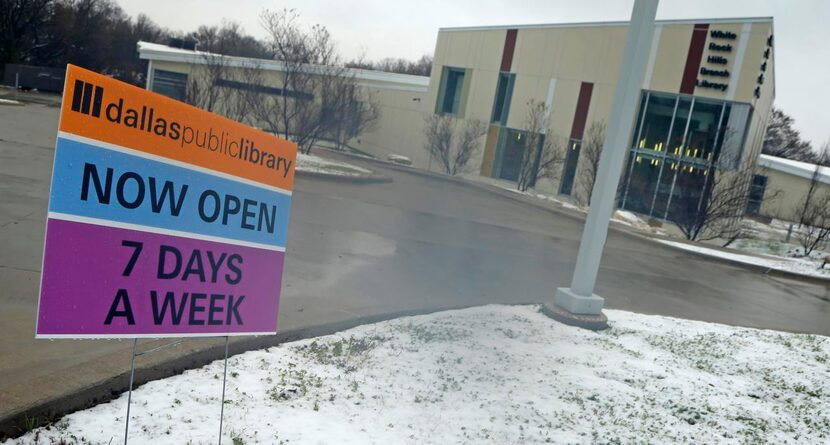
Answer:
x=385 y=28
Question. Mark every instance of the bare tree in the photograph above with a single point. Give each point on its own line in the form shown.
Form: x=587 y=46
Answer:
x=542 y=155
x=315 y=92
x=360 y=113
x=229 y=39
x=813 y=211
x=814 y=228
x=21 y=28
x=823 y=155
x=452 y=151
x=420 y=67
x=715 y=210
x=202 y=88
x=804 y=207
x=590 y=153
x=242 y=90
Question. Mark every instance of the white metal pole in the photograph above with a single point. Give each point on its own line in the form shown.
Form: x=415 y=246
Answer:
x=224 y=381
x=580 y=298
x=130 y=393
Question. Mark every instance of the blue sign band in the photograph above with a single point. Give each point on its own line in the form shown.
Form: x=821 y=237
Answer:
x=97 y=182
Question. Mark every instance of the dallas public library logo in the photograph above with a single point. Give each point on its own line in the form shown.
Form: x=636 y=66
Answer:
x=88 y=99
x=83 y=100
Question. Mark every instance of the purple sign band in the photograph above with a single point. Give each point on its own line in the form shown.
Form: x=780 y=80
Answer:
x=110 y=282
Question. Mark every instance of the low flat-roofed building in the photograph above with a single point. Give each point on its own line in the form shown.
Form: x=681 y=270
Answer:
x=402 y=98
x=782 y=185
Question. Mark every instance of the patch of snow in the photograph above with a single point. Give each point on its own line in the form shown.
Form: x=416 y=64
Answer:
x=490 y=375
x=629 y=217
x=568 y=205
x=399 y=159
x=776 y=229
x=316 y=164
x=560 y=202
x=803 y=266
x=10 y=102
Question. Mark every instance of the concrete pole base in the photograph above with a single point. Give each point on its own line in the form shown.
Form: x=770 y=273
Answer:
x=576 y=310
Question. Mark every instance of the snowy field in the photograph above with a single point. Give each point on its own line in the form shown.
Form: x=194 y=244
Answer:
x=490 y=375
x=316 y=164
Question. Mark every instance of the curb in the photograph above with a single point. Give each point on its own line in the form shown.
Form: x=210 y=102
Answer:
x=46 y=412
x=755 y=267
x=367 y=179
x=30 y=99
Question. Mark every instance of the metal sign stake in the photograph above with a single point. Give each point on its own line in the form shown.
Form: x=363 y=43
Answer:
x=224 y=380
x=130 y=392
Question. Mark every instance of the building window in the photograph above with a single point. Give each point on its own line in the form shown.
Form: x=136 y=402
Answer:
x=569 y=170
x=678 y=141
x=655 y=127
x=509 y=154
x=701 y=136
x=450 y=93
x=504 y=92
x=642 y=183
x=756 y=194
x=170 y=84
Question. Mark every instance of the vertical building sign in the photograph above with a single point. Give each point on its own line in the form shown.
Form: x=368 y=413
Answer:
x=164 y=220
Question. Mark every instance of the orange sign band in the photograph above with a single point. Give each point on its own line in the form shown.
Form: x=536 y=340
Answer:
x=111 y=111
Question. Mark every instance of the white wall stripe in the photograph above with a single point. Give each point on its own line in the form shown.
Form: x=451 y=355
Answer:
x=160 y=231
x=739 y=61
x=549 y=104
x=152 y=157
x=652 y=56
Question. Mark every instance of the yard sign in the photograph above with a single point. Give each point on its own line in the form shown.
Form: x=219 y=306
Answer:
x=164 y=220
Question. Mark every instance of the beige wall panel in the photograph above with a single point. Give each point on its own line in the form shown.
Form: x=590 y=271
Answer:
x=473 y=167
x=551 y=59
x=530 y=50
x=481 y=95
x=525 y=88
x=442 y=44
x=671 y=58
x=564 y=106
x=471 y=59
x=595 y=43
x=490 y=50
x=609 y=70
x=600 y=108
x=752 y=63
x=576 y=43
x=460 y=50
